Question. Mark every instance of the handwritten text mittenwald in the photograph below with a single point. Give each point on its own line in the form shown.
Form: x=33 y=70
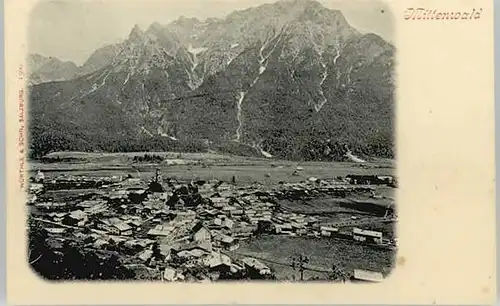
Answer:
x=436 y=14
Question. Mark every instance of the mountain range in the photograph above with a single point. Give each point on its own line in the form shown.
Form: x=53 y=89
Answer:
x=291 y=79
x=47 y=69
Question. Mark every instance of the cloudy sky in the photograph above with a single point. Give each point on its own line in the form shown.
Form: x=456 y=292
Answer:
x=73 y=29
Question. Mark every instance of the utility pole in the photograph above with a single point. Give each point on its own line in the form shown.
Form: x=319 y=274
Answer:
x=298 y=262
x=157 y=175
x=138 y=173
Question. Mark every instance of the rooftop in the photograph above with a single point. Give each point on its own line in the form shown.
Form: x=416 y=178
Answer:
x=359 y=231
x=122 y=226
x=368 y=275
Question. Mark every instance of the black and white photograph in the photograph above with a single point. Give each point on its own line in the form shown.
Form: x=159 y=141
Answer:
x=211 y=141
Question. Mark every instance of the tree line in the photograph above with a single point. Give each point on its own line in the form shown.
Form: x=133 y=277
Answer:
x=311 y=148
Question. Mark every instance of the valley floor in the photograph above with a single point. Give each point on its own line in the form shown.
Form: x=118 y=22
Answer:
x=205 y=166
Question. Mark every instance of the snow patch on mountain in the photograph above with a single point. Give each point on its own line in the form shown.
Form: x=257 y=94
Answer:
x=337 y=49
x=265 y=45
x=323 y=100
x=161 y=132
x=258 y=147
x=96 y=85
x=190 y=82
x=196 y=51
x=143 y=129
x=262 y=69
x=238 y=115
x=127 y=78
x=194 y=80
x=354 y=158
x=336 y=55
x=349 y=75
x=266 y=154
x=168 y=136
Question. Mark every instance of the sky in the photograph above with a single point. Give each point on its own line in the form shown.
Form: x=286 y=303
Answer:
x=72 y=29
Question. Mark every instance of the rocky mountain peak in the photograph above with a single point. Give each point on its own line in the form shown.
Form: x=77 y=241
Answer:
x=187 y=21
x=155 y=27
x=137 y=34
x=46 y=69
x=305 y=4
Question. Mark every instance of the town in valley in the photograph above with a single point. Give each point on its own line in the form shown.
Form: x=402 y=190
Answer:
x=156 y=226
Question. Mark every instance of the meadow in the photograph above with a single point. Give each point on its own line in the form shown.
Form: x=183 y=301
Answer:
x=323 y=253
x=204 y=166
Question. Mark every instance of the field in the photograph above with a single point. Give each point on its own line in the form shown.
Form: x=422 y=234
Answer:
x=206 y=166
x=276 y=251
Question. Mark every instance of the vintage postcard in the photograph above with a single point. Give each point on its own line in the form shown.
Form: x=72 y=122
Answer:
x=250 y=151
